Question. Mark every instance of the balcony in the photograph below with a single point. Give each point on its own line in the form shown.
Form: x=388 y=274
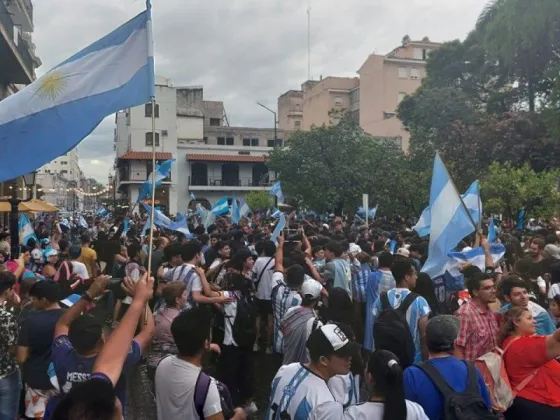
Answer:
x=228 y=183
x=22 y=13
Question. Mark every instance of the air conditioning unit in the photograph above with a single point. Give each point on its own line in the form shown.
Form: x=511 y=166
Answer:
x=164 y=133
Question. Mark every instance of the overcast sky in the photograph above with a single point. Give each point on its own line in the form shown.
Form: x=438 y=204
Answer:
x=242 y=51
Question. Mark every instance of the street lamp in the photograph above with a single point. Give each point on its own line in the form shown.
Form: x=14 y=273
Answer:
x=29 y=180
x=275 y=123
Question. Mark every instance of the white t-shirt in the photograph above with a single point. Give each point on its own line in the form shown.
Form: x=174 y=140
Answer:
x=554 y=290
x=345 y=389
x=303 y=395
x=264 y=288
x=230 y=312
x=374 y=411
x=175 y=384
x=80 y=269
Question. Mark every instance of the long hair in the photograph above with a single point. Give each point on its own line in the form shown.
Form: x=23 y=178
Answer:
x=507 y=326
x=387 y=374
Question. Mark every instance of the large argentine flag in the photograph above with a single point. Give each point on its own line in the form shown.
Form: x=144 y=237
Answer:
x=450 y=221
x=162 y=172
x=54 y=113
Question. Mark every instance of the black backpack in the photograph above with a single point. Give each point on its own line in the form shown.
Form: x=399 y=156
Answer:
x=467 y=405
x=243 y=328
x=391 y=330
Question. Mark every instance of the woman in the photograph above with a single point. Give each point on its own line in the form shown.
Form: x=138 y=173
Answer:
x=425 y=288
x=555 y=309
x=533 y=358
x=385 y=379
x=217 y=269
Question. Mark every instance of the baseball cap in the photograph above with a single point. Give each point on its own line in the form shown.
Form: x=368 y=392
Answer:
x=403 y=252
x=75 y=251
x=329 y=339
x=36 y=254
x=441 y=332
x=311 y=289
x=354 y=249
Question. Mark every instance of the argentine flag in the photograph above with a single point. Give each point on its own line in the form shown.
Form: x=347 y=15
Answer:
x=276 y=190
x=221 y=207
x=162 y=172
x=235 y=211
x=102 y=211
x=26 y=231
x=83 y=222
x=279 y=226
x=244 y=209
x=58 y=110
x=162 y=221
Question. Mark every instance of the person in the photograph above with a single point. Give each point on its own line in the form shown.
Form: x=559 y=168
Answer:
x=177 y=376
x=360 y=281
x=299 y=322
x=337 y=271
x=514 y=292
x=78 y=340
x=79 y=269
x=385 y=260
x=218 y=268
x=96 y=398
x=478 y=333
x=300 y=390
x=88 y=256
x=10 y=383
x=555 y=309
x=157 y=255
x=386 y=279
x=387 y=401
x=425 y=288
x=441 y=333
x=531 y=357
x=417 y=313
x=263 y=270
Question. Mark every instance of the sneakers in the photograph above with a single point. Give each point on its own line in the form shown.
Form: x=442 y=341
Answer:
x=269 y=350
x=256 y=347
x=250 y=408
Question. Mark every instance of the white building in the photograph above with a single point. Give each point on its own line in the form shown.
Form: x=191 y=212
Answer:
x=66 y=165
x=212 y=160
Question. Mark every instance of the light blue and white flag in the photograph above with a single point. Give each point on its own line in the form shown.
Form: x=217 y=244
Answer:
x=450 y=221
x=200 y=211
x=492 y=235
x=279 y=227
x=147 y=225
x=221 y=207
x=58 y=110
x=276 y=190
x=474 y=256
x=26 y=231
x=235 y=211
x=82 y=222
x=126 y=227
x=71 y=300
x=65 y=222
x=209 y=219
x=244 y=209
x=162 y=171
x=102 y=211
x=193 y=197
x=276 y=214
x=471 y=198
x=162 y=221
x=371 y=212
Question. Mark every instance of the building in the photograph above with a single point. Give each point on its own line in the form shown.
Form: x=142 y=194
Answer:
x=55 y=189
x=372 y=99
x=66 y=165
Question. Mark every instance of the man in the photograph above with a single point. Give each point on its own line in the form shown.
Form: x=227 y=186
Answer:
x=386 y=279
x=34 y=346
x=262 y=271
x=177 y=377
x=417 y=313
x=441 y=333
x=301 y=391
x=299 y=322
x=478 y=333
x=337 y=271
x=157 y=255
x=514 y=292
x=78 y=267
x=88 y=256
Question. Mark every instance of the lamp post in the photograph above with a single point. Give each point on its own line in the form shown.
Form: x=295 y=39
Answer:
x=29 y=181
x=275 y=123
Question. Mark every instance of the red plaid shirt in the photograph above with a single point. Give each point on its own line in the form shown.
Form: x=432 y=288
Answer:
x=478 y=333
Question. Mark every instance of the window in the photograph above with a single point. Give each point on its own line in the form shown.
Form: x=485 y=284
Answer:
x=205 y=140
x=229 y=141
x=418 y=53
x=63 y=163
x=255 y=142
x=402 y=95
x=424 y=54
x=297 y=124
x=215 y=122
x=64 y=171
x=270 y=143
x=246 y=142
x=274 y=143
x=279 y=143
x=403 y=73
x=148 y=110
x=338 y=100
x=221 y=141
x=149 y=141
x=415 y=74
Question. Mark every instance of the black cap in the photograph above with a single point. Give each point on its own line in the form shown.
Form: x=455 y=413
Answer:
x=329 y=339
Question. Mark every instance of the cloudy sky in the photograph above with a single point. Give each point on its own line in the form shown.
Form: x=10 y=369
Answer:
x=243 y=51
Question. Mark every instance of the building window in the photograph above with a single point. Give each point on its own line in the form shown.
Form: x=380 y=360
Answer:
x=418 y=53
x=246 y=142
x=255 y=142
x=274 y=143
x=338 y=100
x=205 y=140
x=403 y=73
x=148 y=110
x=215 y=122
x=270 y=143
x=64 y=171
x=229 y=141
x=402 y=95
x=415 y=74
x=149 y=141
x=221 y=141
x=63 y=163
x=425 y=54
x=297 y=124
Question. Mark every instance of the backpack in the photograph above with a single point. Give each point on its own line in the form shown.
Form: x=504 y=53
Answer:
x=391 y=330
x=243 y=327
x=493 y=370
x=201 y=392
x=467 y=405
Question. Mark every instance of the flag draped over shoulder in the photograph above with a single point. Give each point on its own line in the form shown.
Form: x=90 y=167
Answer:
x=58 y=110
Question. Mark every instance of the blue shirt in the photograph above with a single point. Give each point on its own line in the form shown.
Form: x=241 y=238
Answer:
x=359 y=283
x=420 y=389
x=371 y=297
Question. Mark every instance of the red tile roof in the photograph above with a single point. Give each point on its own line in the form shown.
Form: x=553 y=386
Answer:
x=225 y=158
x=146 y=155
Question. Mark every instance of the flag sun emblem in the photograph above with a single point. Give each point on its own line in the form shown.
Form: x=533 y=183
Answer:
x=52 y=85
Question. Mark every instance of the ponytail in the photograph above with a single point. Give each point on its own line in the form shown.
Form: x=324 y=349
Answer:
x=387 y=374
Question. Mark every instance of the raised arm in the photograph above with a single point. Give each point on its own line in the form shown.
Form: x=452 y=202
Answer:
x=279 y=257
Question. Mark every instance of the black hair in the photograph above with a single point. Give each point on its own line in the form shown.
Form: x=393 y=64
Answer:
x=133 y=250
x=172 y=250
x=85 y=238
x=357 y=367
x=556 y=299
x=335 y=248
x=239 y=258
x=555 y=273
x=387 y=375
x=7 y=281
x=402 y=268
x=46 y=289
x=295 y=274
x=220 y=245
x=190 y=250
x=191 y=329
x=63 y=244
x=93 y=399
x=75 y=252
x=84 y=333
x=425 y=288
x=378 y=247
x=269 y=248
x=259 y=247
x=340 y=308
x=317 y=248
x=473 y=283
x=511 y=281
x=386 y=259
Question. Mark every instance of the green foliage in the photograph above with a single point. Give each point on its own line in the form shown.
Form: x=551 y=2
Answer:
x=258 y=200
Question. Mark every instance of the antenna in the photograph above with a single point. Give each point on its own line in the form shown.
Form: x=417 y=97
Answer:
x=309 y=40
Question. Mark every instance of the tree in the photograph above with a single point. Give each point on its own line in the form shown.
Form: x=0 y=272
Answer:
x=258 y=200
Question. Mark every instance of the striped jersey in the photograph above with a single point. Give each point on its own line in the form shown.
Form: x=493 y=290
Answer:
x=299 y=393
x=359 y=283
x=283 y=298
x=371 y=296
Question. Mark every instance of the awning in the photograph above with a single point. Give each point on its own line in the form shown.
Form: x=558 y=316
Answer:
x=193 y=157
x=35 y=205
x=132 y=155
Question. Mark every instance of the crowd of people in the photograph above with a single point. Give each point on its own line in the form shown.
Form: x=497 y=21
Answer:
x=95 y=325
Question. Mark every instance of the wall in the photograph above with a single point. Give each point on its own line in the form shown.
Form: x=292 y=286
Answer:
x=290 y=110
x=190 y=128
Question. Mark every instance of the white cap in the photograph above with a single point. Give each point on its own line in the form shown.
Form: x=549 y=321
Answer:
x=36 y=254
x=311 y=288
x=354 y=249
x=403 y=252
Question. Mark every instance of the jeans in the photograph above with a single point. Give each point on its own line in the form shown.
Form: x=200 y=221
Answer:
x=236 y=368
x=10 y=388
